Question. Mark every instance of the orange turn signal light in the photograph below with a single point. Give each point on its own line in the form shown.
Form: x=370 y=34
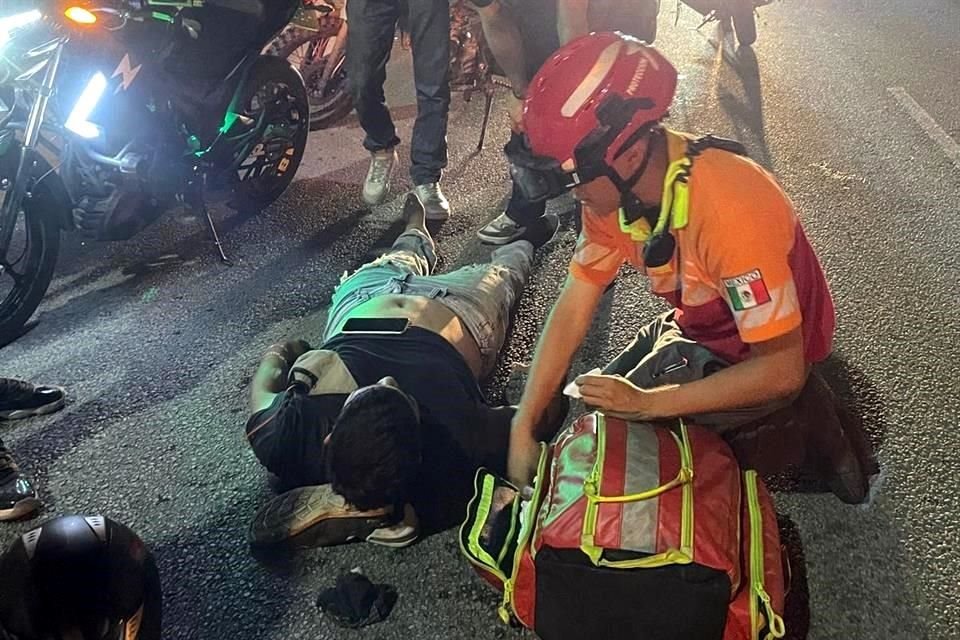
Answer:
x=80 y=15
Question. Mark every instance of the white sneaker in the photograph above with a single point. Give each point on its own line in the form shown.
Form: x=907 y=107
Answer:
x=376 y=186
x=501 y=230
x=435 y=204
x=402 y=534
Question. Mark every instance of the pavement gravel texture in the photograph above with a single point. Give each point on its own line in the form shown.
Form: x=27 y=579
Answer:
x=156 y=341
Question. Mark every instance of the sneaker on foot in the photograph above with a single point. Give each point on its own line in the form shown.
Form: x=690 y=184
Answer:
x=18 y=498
x=19 y=399
x=435 y=204
x=315 y=516
x=376 y=186
x=399 y=535
x=501 y=230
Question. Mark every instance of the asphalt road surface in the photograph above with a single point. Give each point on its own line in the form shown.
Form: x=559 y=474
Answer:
x=853 y=103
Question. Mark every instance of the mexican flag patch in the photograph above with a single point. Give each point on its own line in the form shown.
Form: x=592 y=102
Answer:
x=747 y=291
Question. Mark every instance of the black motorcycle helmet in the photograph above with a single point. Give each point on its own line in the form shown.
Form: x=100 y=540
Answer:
x=79 y=578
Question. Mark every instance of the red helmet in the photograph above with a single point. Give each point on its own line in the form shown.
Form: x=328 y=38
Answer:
x=561 y=108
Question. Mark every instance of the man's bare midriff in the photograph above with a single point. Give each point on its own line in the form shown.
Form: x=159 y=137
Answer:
x=425 y=313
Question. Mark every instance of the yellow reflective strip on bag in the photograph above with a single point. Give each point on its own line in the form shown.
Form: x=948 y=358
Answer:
x=668 y=557
x=684 y=479
x=775 y=625
x=486 y=501
x=526 y=536
x=590 y=490
x=687 y=514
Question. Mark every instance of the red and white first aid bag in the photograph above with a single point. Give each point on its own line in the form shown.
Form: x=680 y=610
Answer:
x=633 y=531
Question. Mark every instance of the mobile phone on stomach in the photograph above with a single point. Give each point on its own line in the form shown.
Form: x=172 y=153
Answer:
x=383 y=326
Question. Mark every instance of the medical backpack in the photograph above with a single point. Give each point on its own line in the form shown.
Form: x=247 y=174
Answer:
x=633 y=531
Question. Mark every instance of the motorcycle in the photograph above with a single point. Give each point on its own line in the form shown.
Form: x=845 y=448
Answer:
x=315 y=43
x=112 y=115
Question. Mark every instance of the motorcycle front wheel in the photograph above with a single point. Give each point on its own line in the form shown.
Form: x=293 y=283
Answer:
x=27 y=265
x=276 y=100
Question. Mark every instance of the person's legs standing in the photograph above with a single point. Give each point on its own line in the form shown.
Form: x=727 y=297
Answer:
x=372 y=27
x=430 y=40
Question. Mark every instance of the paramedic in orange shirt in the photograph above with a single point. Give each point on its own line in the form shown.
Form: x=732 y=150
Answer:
x=719 y=240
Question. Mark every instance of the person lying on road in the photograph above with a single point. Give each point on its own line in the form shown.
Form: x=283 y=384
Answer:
x=388 y=409
x=715 y=234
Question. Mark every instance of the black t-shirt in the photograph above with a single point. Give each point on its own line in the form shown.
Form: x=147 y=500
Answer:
x=460 y=431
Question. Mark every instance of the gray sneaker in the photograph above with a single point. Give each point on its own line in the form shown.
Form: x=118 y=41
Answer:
x=501 y=230
x=376 y=186
x=434 y=202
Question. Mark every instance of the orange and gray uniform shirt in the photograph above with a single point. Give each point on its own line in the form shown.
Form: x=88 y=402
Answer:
x=743 y=271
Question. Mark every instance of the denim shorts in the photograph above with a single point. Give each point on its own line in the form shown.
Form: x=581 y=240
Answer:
x=481 y=295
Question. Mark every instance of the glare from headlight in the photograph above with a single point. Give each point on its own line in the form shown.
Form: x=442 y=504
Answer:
x=16 y=21
x=78 y=121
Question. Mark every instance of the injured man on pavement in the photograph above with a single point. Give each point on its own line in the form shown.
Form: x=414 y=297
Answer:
x=384 y=424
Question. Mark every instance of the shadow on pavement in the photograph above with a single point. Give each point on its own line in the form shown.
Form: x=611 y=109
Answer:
x=866 y=422
x=796 y=614
x=85 y=309
x=744 y=104
x=861 y=413
x=212 y=589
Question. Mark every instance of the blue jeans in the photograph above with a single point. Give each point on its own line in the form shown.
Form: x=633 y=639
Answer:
x=372 y=25
x=481 y=295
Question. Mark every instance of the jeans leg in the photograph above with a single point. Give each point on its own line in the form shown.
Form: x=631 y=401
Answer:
x=430 y=39
x=413 y=254
x=415 y=250
x=519 y=209
x=522 y=211
x=372 y=26
x=484 y=296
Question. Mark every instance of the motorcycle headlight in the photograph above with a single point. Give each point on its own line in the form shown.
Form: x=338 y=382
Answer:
x=11 y=23
x=78 y=122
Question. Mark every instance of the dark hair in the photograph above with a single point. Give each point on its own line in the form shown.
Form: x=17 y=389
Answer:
x=375 y=449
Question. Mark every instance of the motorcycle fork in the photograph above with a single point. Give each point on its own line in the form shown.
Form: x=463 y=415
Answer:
x=18 y=189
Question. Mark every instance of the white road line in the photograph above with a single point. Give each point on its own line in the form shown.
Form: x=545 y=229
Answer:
x=927 y=123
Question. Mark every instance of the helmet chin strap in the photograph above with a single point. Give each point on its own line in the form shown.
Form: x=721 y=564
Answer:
x=633 y=207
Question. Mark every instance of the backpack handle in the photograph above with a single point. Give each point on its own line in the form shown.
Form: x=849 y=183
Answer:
x=684 y=479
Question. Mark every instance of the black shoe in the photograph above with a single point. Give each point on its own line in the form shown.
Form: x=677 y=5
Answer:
x=845 y=478
x=541 y=231
x=18 y=498
x=20 y=399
